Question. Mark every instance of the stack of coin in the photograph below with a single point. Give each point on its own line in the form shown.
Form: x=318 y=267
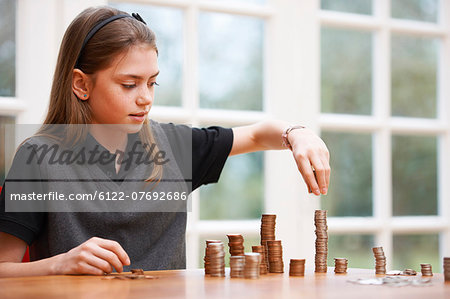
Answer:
x=320 y=221
x=237 y=264
x=447 y=268
x=216 y=255
x=380 y=260
x=426 y=270
x=275 y=253
x=409 y=272
x=267 y=232
x=340 y=265
x=236 y=244
x=297 y=267
x=252 y=265
x=263 y=265
x=206 y=258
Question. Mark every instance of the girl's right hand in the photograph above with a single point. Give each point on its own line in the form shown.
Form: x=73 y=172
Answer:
x=95 y=256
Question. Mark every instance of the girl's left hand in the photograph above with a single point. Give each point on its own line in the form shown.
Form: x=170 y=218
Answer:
x=312 y=158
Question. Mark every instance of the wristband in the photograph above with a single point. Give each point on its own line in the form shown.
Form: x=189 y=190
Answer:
x=284 y=136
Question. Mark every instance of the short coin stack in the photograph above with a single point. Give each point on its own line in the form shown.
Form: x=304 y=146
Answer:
x=252 y=264
x=263 y=265
x=206 y=258
x=236 y=244
x=216 y=258
x=237 y=266
x=380 y=260
x=320 y=221
x=426 y=270
x=340 y=265
x=267 y=232
x=275 y=253
x=447 y=268
x=297 y=267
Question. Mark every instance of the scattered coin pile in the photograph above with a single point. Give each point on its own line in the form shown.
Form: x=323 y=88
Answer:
x=237 y=264
x=409 y=272
x=135 y=274
x=275 y=253
x=267 y=233
x=236 y=244
x=447 y=268
x=320 y=221
x=215 y=258
x=263 y=265
x=380 y=260
x=340 y=265
x=206 y=258
x=252 y=264
x=297 y=267
x=426 y=270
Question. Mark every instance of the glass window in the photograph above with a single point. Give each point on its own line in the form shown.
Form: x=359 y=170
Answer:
x=231 y=62
x=412 y=250
x=244 y=1
x=249 y=241
x=419 y=10
x=356 y=248
x=350 y=192
x=239 y=193
x=414 y=175
x=414 y=76
x=5 y=147
x=354 y=6
x=346 y=71
x=167 y=23
x=7 y=48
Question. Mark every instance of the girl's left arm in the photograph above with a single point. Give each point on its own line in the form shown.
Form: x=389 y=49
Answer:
x=309 y=151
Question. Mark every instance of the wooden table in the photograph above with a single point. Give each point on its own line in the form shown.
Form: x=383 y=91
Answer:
x=193 y=284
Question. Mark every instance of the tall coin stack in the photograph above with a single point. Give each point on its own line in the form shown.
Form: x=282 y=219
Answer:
x=236 y=244
x=216 y=256
x=320 y=221
x=380 y=260
x=206 y=258
x=275 y=253
x=267 y=232
x=340 y=265
x=237 y=264
x=252 y=264
x=426 y=270
x=447 y=268
x=263 y=265
x=297 y=267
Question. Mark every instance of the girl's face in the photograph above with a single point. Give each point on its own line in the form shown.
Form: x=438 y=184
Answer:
x=123 y=93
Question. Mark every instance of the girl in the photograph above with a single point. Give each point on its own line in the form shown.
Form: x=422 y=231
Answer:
x=103 y=88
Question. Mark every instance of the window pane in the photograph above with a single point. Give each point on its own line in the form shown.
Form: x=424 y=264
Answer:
x=420 y=10
x=346 y=67
x=356 y=248
x=414 y=175
x=8 y=48
x=167 y=23
x=350 y=192
x=231 y=61
x=414 y=76
x=412 y=250
x=354 y=6
x=249 y=241
x=244 y=1
x=5 y=147
x=240 y=191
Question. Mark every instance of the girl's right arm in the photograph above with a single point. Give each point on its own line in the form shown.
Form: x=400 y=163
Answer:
x=95 y=256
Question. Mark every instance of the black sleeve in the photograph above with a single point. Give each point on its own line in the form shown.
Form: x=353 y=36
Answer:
x=26 y=225
x=210 y=149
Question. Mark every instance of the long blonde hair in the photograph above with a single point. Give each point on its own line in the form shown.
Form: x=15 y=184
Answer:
x=97 y=54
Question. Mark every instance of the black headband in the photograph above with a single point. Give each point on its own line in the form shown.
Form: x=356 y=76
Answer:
x=101 y=25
